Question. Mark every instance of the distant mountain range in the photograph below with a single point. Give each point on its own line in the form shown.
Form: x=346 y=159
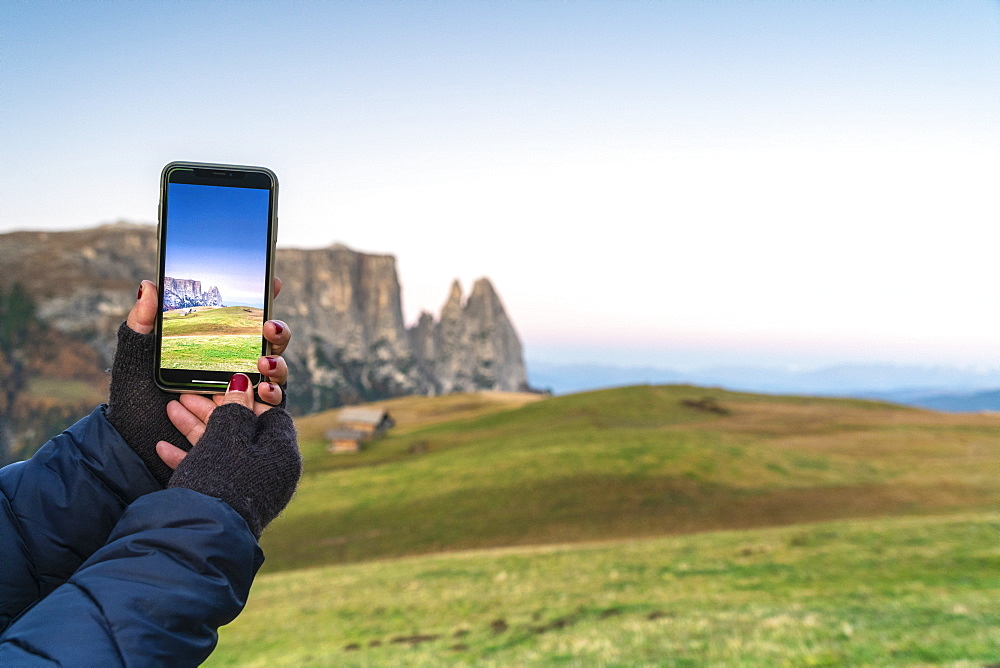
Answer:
x=938 y=388
x=970 y=402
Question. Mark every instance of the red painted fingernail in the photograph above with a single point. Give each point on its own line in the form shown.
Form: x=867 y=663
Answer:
x=239 y=383
x=278 y=329
x=272 y=363
x=139 y=296
x=272 y=387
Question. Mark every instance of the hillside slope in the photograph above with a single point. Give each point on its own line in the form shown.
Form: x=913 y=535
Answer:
x=629 y=462
x=911 y=591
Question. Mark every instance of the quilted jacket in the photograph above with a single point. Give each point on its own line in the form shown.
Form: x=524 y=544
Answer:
x=100 y=566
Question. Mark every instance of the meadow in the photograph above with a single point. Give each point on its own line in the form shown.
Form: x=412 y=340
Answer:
x=898 y=592
x=215 y=339
x=637 y=526
x=625 y=463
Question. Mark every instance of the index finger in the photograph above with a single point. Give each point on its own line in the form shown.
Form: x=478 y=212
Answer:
x=186 y=421
x=199 y=406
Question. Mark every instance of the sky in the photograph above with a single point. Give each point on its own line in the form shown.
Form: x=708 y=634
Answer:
x=209 y=226
x=675 y=184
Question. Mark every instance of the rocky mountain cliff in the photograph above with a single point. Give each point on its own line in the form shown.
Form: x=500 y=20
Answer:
x=472 y=344
x=186 y=292
x=350 y=342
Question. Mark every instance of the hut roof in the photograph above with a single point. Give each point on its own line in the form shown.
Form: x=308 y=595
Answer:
x=362 y=414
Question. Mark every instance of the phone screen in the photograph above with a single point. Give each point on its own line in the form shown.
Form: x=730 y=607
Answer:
x=216 y=249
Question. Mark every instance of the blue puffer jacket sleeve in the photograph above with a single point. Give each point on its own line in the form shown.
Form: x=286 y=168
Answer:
x=112 y=569
x=177 y=566
x=60 y=506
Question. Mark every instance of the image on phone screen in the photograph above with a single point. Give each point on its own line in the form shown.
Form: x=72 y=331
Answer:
x=215 y=242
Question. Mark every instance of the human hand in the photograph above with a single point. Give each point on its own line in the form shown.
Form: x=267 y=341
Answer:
x=138 y=409
x=249 y=459
x=190 y=413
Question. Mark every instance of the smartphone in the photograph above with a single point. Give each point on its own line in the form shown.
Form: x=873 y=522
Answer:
x=217 y=232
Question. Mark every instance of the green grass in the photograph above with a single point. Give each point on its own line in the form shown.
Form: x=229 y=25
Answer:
x=625 y=463
x=223 y=320
x=623 y=528
x=213 y=339
x=213 y=353
x=67 y=390
x=893 y=592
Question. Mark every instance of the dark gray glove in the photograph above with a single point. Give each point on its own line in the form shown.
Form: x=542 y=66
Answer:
x=136 y=407
x=250 y=462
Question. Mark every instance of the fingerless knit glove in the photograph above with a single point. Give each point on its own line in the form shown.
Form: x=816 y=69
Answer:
x=136 y=407
x=250 y=462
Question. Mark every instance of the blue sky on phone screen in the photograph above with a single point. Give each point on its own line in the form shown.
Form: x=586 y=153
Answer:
x=218 y=236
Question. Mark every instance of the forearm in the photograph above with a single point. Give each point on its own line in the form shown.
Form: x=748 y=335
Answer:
x=58 y=508
x=177 y=566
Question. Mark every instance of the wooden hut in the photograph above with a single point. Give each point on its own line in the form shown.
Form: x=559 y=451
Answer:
x=355 y=425
x=345 y=440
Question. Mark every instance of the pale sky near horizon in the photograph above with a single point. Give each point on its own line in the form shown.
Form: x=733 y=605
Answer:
x=674 y=184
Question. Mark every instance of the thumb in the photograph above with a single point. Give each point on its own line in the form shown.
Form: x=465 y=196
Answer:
x=239 y=392
x=142 y=317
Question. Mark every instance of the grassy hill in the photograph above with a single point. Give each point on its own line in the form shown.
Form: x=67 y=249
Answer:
x=213 y=320
x=636 y=526
x=470 y=472
x=912 y=591
x=215 y=339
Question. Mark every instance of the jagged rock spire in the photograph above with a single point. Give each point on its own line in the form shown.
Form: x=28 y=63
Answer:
x=473 y=346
